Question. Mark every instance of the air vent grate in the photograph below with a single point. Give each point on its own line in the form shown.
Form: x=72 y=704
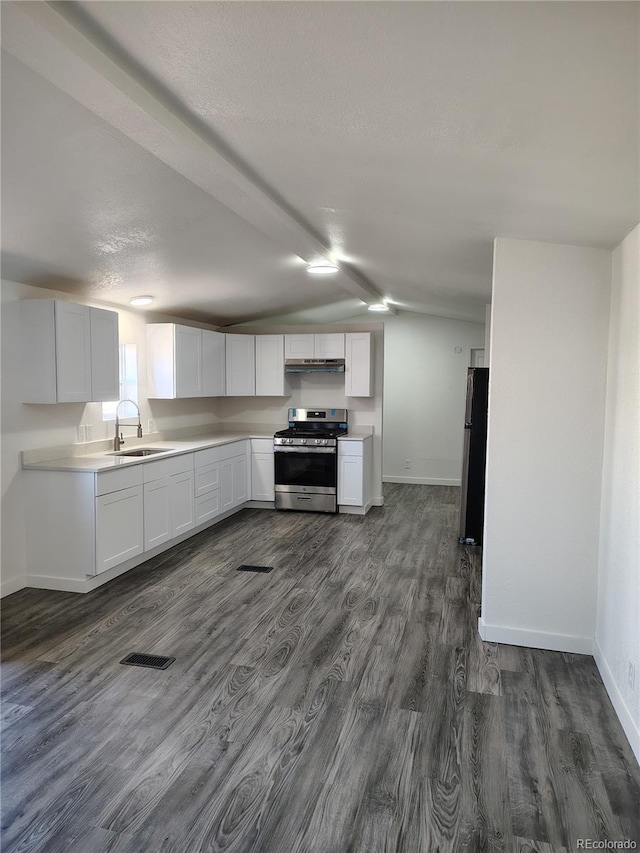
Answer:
x=150 y=661
x=244 y=568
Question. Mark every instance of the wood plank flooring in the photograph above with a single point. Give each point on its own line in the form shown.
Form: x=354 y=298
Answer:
x=343 y=703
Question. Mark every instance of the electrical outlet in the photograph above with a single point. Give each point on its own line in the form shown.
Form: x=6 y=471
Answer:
x=631 y=675
x=82 y=434
x=88 y=429
x=407 y=464
x=150 y=425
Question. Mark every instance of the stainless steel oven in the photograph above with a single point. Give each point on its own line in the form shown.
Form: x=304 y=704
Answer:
x=306 y=460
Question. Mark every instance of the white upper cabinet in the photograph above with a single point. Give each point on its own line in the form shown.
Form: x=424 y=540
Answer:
x=188 y=361
x=314 y=346
x=270 y=377
x=184 y=362
x=241 y=365
x=105 y=366
x=329 y=345
x=70 y=352
x=358 y=376
x=298 y=346
x=213 y=364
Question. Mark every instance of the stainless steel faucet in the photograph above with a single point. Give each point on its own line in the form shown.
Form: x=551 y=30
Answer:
x=118 y=440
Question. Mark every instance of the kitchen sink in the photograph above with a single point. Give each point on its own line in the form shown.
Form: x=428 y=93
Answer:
x=142 y=451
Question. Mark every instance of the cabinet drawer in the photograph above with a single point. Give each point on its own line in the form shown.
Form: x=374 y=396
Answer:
x=350 y=448
x=235 y=448
x=206 y=457
x=207 y=506
x=262 y=445
x=167 y=467
x=207 y=478
x=115 y=481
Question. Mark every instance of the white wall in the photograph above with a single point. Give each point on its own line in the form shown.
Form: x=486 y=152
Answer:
x=550 y=311
x=424 y=396
x=26 y=427
x=618 y=611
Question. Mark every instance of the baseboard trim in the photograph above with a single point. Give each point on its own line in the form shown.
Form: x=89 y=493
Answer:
x=59 y=584
x=422 y=481
x=11 y=586
x=535 y=639
x=621 y=708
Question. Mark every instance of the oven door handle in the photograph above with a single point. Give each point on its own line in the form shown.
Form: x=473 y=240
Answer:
x=279 y=449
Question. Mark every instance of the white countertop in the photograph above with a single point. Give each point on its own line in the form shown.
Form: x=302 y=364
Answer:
x=105 y=461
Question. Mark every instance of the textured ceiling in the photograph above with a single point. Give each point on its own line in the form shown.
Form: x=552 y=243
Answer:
x=402 y=136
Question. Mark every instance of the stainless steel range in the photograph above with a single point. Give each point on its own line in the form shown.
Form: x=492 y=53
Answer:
x=306 y=459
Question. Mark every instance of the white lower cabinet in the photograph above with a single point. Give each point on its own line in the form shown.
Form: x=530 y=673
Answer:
x=208 y=506
x=233 y=482
x=119 y=527
x=240 y=480
x=262 y=470
x=221 y=479
x=226 y=484
x=182 y=503
x=86 y=523
x=354 y=472
x=169 y=503
x=350 y=485
x=157 y=513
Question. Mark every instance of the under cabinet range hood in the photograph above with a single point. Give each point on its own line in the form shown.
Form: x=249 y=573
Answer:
x=314 y=365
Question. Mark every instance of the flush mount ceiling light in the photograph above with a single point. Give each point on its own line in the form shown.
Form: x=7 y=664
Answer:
x=378 y=306
x=323 y=268
x=141 y=300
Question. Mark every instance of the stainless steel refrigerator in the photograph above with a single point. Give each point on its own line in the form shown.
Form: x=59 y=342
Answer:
x=474 y=456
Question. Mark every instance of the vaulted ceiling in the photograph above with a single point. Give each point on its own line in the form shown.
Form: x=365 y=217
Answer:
x=205 y=152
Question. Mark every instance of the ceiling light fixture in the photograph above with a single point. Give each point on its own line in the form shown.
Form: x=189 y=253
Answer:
x=378 y=306
x=141 y=300
x=324 y=268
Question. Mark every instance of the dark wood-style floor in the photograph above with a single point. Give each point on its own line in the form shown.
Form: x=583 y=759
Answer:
x=344 y=702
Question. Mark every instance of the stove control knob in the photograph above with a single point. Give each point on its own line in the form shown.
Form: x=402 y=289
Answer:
x=325 y=441
x=289 y=440
x=303 y=441
x=317 y=441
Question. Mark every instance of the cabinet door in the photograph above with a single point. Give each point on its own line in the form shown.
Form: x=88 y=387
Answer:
x=157 y=513
x=329 y=345
x=262 y=477
x=73 y=352
x=358 y=376
x=188 y=361
x=240 y=480
x=241 y=365
x=226 y=484
x=270 y=377
x=298 y=346
x=119 y=527
x=105 y=361
x=182 y=503
x=350 y=480
x=213 y=364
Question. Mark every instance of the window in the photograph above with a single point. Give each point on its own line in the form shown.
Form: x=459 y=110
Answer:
x=128 y=385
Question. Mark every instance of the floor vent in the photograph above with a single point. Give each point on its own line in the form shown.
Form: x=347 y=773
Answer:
x=151 y=661
x=254 y=568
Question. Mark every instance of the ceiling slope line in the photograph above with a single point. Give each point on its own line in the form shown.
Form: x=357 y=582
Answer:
x=66 y=24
